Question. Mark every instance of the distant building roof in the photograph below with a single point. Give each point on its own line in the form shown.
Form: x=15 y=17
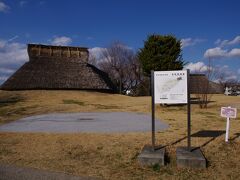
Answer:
x=200 y=84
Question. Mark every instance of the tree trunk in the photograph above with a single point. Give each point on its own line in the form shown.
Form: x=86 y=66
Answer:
x=120 y=86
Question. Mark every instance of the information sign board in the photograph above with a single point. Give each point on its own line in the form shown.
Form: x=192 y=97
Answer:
x=170 y=87
x=228 y=112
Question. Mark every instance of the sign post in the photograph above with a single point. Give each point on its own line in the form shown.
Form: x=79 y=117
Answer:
x=170 y=87
x=228 y=112
x=153 y=110
x=167 y=87
x=188 y=111
x=227 y=130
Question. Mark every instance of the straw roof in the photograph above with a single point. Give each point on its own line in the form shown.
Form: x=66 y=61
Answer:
x=58 y=67
x=200 y=84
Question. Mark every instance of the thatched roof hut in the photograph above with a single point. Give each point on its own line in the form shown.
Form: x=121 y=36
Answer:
x=58 y=67
x=200 y=84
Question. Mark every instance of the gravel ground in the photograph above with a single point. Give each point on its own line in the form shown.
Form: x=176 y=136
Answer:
x=99 y=122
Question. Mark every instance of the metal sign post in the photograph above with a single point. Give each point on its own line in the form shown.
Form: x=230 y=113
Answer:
x=228 y=112
x=188 y=156
x=153 y=110
x=188 y=111
x=227 y=130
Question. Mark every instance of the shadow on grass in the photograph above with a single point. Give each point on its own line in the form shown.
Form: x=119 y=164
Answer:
x=7 y=101
x=213 y=134
x=197 y=101
x=204 y=133
x=235 y=137
x=208 y=133
x=192 y=101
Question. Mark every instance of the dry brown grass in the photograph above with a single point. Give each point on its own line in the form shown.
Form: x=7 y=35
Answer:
x=113 y=156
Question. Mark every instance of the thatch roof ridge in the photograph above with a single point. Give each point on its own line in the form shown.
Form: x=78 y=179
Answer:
x=55 y=46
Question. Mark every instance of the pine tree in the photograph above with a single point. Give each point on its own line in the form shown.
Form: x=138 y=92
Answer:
x=161 y=53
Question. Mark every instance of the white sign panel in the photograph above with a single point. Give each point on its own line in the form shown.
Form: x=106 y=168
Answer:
x=170 y=87
x=228 y=112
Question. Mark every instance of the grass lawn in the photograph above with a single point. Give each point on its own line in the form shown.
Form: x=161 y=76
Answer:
x=114 y=156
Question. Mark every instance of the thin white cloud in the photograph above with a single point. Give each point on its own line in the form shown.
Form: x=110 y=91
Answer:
x=218 y=52
x=61 y=41
x=90 y=38
x=22 y=3
x=96 y=52
x=12 y=56
x=236 y=40
x=6 y=71
x=42 y=2
x=224 y=49
x=220 y=73
x=190 y=42
x=13 y=38
x=99 y=54
x=3 y=78
x=2 y=43
x=12 y=52
x=218 y=41
x=198 y=67
x=4 y=7
x=96 y=55
x=215 y=53
x=233 y=77
x=225 y=73
x=238 y=71
x=234 y=53
x=223 y=43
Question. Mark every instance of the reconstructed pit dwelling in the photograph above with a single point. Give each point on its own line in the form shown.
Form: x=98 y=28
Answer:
x=66 y=67
x=58 y=67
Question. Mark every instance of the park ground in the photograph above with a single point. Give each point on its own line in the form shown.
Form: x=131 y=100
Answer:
x=114 y=156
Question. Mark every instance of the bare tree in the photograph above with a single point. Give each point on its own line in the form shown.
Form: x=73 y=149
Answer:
x=122 y=65
x=204 y=90
x=226 y=82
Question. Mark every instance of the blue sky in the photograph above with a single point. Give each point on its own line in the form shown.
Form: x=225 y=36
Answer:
x=207 y=28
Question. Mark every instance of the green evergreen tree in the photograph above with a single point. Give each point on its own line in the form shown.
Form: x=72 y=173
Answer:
x=161 y=53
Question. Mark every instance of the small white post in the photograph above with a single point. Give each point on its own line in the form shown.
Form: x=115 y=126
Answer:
x=227 y=130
